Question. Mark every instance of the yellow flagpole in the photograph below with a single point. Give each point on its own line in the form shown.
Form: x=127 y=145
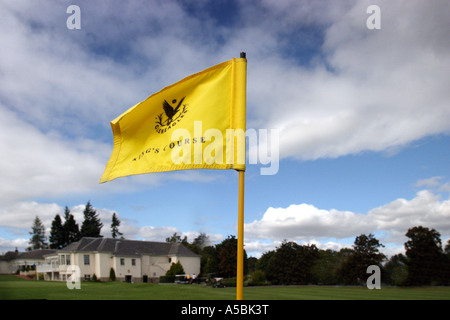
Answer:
x=240 y=242
x=240 y=245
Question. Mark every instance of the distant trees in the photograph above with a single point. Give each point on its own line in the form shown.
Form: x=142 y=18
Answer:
x=115 y=226
x=57 y=234
x=226 y=254
x=396 y=270
x=353 y=269
x=38 y=239
x=92 y=225
x=71 y=229
x=63 y=234
x=175 y=238
x=290 y=263
x=427 y=263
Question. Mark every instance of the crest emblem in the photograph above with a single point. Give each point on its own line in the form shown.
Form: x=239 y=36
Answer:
x=173 y=113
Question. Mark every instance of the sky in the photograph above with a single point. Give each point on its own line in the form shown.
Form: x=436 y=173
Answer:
x=360 y=100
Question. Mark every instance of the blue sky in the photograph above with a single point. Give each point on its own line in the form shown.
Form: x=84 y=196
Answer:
x=363 y=117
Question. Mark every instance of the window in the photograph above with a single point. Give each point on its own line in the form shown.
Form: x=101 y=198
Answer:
x=86 y=260
x=87 y=277
x=122 y=261
x=67 y=259
x=62 y=260
x=170 y=260
x=133 y=262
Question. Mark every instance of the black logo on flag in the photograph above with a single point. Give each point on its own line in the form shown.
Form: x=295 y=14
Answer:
x=173 y=114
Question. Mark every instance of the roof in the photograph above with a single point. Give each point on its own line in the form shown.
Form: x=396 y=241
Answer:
x=34 y=255
x=10 y=255
x=129 y=247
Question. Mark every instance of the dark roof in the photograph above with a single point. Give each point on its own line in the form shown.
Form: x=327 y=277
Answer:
x=129 y=247
x=35 y=254
x=10 y=255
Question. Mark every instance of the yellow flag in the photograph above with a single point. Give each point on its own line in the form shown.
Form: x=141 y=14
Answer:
x=196 y=123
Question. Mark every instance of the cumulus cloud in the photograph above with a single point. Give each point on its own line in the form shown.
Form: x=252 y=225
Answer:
x=306 y=223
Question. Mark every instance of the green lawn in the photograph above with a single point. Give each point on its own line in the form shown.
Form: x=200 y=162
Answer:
x=12 y=287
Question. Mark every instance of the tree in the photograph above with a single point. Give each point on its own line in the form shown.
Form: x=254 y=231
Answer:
x=115 y=226
x=227 y=257
x=325 y=269
x=396 y=270
x=37 y=233
x=92 y=225
x=426 y=260
x=112 y=275
x=198 y=244
x=175 y=268
x=209 y=261
x=57 y=234
x=175 y=238
x=365 y=253
x=71 y=229
x=290 y=264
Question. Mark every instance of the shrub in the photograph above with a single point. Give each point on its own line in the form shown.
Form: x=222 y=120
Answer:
x=175 y=268
x=258 y=278
x=112 y=275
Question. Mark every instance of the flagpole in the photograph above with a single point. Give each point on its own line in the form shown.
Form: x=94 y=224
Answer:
x=240 y=244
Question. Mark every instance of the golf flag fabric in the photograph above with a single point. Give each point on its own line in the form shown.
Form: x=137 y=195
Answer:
x=196 y=123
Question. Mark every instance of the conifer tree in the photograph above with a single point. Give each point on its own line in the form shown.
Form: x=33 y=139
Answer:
x=57 y=234
x=71 y=229
x=38 y=238
x=115 y=226
x=92 y=225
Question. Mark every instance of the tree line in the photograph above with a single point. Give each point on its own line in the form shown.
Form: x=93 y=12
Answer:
x=425 y=261
x=64 y=233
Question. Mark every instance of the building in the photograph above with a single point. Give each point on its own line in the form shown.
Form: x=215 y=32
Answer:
x=131 y=260
x=15 y=261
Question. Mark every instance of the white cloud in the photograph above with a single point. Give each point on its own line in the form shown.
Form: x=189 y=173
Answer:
x=430 y=182
x=9 y=245
x=21 y=215
x=37 y=164
x=377 y=89
x=151 y=233
x=306 y=223
x=426 y=209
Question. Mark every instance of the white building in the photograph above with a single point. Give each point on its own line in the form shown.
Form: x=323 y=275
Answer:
x=131 y=260
x=14 y=261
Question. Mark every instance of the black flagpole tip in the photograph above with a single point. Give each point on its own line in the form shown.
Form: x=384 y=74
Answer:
x=243 y=55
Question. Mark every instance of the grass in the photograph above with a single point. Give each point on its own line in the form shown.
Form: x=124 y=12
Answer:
x=12 y=287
